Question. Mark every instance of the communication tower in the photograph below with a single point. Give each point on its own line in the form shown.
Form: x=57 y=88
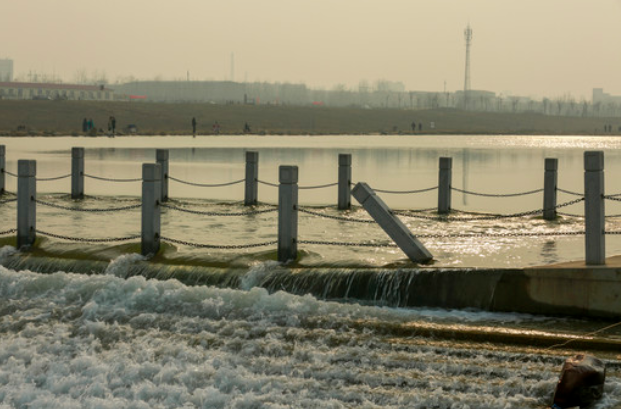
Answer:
x=468 y=38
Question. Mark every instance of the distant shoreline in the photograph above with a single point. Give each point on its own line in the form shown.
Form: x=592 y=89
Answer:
x=64 y=118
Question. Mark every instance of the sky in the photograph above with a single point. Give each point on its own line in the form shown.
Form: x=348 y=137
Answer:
x=535 y=48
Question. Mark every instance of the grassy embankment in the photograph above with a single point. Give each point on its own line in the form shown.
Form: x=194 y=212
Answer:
x=65 y=118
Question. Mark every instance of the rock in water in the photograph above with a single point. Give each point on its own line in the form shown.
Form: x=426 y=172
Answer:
x=581 y=382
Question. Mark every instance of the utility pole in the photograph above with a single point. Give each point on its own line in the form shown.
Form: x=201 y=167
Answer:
x=468 y=38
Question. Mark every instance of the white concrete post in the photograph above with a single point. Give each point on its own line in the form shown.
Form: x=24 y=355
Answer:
x=251 y=192
x=444 y=185
x=344 y=178
x=2 y=169
x=287 y=213
x=26 y=203
x=151 y=194
x=550 y=181
x=161 y=156
x=77 y=173
x=594 y=211
x=391 y=224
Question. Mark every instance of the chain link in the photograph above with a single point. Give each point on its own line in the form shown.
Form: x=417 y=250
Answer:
x=569 y=192
x=343 y=219
x=9 y=173
x=406 y=192
x=613 y=198
x=466 y=192
x=219 y=246
x=318 y=186
x=8 y=201
x=205 y=184
x=51 y=179
x=267 y=183
x=112 y=179
x=346 y=244
x=87 y=240
x=202 y=213
x=96 y=210
x=10 y=231
x=475 y=235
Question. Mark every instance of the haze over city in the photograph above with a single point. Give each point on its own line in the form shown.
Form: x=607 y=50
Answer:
x=530 y=47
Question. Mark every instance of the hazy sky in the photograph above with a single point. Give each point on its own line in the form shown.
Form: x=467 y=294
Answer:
x=524 y=47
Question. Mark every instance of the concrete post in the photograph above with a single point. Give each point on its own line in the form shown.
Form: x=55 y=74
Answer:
x=444 y=185
x=251 y=192
x=2 y=169
x=77 y=173
x=394 y=227
x=26 y=204
x=287 y=213
x=550 y=181
x=151 y=194
x=344 y=199
x=161 y=156
x=594 y=211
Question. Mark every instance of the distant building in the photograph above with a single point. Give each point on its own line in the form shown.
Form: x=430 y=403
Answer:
x=6 y=70
x=599 y=96
x=35 y=90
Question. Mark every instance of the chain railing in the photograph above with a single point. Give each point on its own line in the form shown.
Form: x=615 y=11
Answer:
x=339 y=218
x=9 y=173
x=8 y=201
x=467 y=192
x=88 y=240
x=569 y=192
x=406 y=192
x=112 y=179
x=10 y=231
x=318 y=186
x=53 y=178
x=93 y=210
x=206 y=184
x=218 y=246
x=267 y=183
x=205 y=213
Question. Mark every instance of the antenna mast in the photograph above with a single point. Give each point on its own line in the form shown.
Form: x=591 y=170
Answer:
x=468 y=38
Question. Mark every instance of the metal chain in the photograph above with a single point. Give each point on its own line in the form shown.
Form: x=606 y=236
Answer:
x=112 y=179
x=74 y=209
x=406 y=192
x=408 y=212
x=9 y=173
x=205 y=184
x=8 y=201
x=10 y=231
x=569 y=192
x=267 y=183
x=613 y=232
x=250 y=213
x=573 y=215
x=614 y=198
x=471 y=235
x=337 y=243
x=50 y=179
x=343 y=219
x=87 y=240
x=219 y=246
x=318 y=186
x=615 y=195
x=466 y=192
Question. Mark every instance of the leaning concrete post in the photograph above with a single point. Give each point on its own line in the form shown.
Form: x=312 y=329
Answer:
x=251 y=192
x=391 y=224
x=594 y=208
x=444 y=185
x=2 y=169
x=26 y=204
x=77 y=173
x=161 y=156
x=287 y=213
x=550 y=180
x=151 y=194
x=344 y=181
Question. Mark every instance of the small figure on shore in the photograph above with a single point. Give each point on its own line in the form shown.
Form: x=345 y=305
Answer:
x=420 y=126
x=247 y=128
x=84 y=125
x=112 y=125
x=90 y=125
x=216 y=128
x=194 y=127
x=413 y=126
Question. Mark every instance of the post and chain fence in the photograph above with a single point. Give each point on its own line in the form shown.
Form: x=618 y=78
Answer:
x=87 y=240
x=206 y=184
x=94 y=210
x=206 y=213
x=105 y=179
x=218 y=246
x=467 y=192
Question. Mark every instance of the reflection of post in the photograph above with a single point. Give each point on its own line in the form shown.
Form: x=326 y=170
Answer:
x=594 y=211
x=464 y=178
x=391 y=224
x=344 y=181
x=2 y=166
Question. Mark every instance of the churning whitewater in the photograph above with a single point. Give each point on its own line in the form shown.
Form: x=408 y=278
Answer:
x=103 y=341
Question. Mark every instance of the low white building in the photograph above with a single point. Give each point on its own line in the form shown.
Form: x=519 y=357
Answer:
x=6 y=69
x=35 y=90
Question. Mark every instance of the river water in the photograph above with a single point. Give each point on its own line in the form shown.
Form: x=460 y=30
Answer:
x=103 y=337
